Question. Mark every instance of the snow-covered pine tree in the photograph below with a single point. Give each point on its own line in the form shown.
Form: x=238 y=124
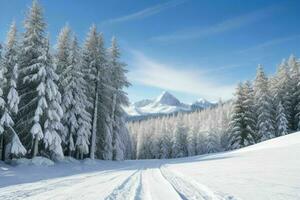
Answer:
x=249 y=110
x=241 y=133
x=166 y=145
x=263 y=106
x=119 y=97
x=65 y=71
x=281 y=121
x=32 y=73
x=282 y=91
x=294 y=67
x=79 y=102
x=213 y=141
x=104 y=129
x=39 y=112
x=10 y=94
x=94 y=61
x=53 y=111
x=180 y=144
x=192 y=142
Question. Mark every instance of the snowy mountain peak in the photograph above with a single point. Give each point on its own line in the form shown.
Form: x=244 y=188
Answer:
x=201 y=100
x=167 y=99
x=165 y=103
x=201 y=104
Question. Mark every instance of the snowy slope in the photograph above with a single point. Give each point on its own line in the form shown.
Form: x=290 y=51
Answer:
x=164 y=104
x=269 y=170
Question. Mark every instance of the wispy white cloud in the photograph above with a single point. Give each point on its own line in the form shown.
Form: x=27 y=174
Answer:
x=146 y=12
x=270 y=43
x=149 y=72
x=221 y=27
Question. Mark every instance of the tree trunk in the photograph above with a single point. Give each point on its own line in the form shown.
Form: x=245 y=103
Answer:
x=35 y=147
x=112 y=121
x=77 y=154
x=70 y=151
x=3 y=145
x=94 y=125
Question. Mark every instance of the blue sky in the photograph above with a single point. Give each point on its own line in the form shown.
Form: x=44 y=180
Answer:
x=192 y=48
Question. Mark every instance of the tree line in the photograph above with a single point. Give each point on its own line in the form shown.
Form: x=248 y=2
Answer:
x=262 y=109
x=61 y=102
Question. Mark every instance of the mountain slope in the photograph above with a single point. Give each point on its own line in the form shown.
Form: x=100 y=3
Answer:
x=269 y=170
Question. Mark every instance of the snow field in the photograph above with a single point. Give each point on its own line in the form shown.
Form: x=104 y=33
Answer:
x=269 y=170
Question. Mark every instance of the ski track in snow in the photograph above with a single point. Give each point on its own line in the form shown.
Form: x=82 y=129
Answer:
x=189 y=189
x=130 y=189
x=67 y=188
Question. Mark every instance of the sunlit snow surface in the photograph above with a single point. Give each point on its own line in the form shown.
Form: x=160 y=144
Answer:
x=269 y=170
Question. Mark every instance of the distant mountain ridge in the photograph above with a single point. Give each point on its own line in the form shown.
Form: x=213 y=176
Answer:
x=165 y=103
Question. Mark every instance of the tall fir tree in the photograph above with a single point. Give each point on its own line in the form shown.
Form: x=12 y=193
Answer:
x=32 y=73
x=249 y=110
x=241 y=124
x=94 y=62
x=263 y=106
x=180 y=145
x=119 y=98
x=10 y=94
x=294 y=67
x=282 y=91
x=281 y=121
x=104 y=130
x=53 y=112
x=77 y=119
x=64 y=69
x=40 y=113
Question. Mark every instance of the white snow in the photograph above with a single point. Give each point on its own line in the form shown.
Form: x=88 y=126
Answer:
x=269 y=170
x=36 y=161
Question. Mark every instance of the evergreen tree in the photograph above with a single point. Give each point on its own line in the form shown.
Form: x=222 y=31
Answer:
x=294 y=67
x=31 y=81
x=80 y=102
x=263 y=106
x=64 y=69
x=249 y=110
x=104 y=130
x=180 y=145
x=10 y=94
x=76 y=119
x=282 y=91
x=53 y=111
x=40 y=111
x=119 y=81
x=241 y=120
x=281 y=121
x=95 y=62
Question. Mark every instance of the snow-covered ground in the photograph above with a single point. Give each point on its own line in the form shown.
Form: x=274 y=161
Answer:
x=269 y=170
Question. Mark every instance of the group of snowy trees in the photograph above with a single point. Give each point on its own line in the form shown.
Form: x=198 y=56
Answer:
x=60 y=102
x=262 y=109
x=268 y=107
x=182 y=134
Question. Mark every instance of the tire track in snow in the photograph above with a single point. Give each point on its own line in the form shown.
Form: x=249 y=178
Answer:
x=189 y=189
x=130 y=189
